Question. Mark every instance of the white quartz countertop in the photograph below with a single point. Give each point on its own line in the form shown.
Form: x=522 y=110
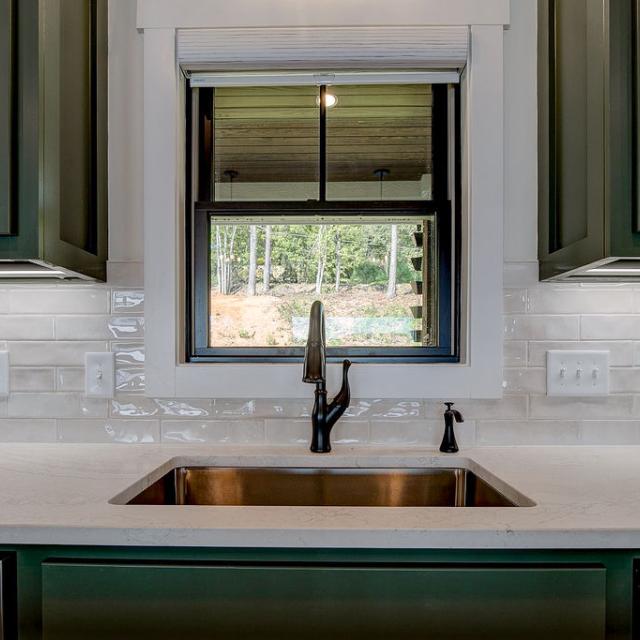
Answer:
x=585 y=497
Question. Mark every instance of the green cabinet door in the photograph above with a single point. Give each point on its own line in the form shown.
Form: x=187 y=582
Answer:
x=274 y=601
x=8 y=116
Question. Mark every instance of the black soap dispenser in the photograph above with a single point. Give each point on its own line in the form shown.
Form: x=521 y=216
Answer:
x=449 y=444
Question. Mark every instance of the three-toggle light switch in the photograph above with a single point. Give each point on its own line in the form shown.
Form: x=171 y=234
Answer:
x=577 y=373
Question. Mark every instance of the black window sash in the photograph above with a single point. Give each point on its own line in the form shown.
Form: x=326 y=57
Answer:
x=200 y=188
x=199 y=309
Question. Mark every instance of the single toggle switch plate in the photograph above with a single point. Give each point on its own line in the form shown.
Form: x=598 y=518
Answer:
x=577 y=373
x=99 y=374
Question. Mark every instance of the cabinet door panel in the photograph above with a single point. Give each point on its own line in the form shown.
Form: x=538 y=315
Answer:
x=199 y=601
x=74 y=134
x=8 y=116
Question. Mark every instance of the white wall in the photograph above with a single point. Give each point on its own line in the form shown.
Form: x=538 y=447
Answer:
x=47 y=330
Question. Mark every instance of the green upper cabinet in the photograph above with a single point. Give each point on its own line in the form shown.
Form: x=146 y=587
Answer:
x=588 y=216
x=7 y=116
x=53 y=124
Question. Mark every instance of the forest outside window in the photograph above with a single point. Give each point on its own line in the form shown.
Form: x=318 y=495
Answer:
x=347 y=193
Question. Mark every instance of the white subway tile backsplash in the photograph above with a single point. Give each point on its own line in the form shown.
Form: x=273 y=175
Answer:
x=66 y=298
x=32 y=379
x=553 y=298
x=620 y=352
x=29 y=430
x=109 y=431
x=15 y=327
x=565 y=408
x=515 y=300
x=99 y=327
x=507 y=407
x=61 y=353
x=425 y=433
x=604 y=327
x=492 y=433
x=515 y=353
x=524 y=327
x=49 y=329
x=55 y=405
x=4 y=301
x=610 y=432
x=70 y=379
x=213 y=431
x=624 y=380
x=525 y=380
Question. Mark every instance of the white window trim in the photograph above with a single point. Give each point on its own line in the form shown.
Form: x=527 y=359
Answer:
x=480 y=375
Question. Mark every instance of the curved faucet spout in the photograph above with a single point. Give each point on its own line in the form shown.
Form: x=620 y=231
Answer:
x=324 y=415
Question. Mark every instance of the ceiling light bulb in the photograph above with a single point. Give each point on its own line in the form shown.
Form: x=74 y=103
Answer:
x=330 y=100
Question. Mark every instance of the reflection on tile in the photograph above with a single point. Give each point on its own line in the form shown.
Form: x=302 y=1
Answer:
x=213 y=432
x=99 y=327
x=109 y=431
x=184 y=408
x=133 y=406
x=380 y=408
x=349 y=432
x=222 y=408
x=130 y=379
x=28 y=430
x=129 y=301
x=128 y=352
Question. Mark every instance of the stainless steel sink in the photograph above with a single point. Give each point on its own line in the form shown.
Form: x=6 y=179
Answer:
x=320 y=487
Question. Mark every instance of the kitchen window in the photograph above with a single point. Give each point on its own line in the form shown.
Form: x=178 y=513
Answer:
x=345 y=191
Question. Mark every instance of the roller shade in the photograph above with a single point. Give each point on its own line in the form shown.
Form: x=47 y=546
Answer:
x=300 y=48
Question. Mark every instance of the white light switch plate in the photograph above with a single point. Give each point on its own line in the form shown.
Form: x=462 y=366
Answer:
x=577 y=373
x=99 y=374
x=4 y=374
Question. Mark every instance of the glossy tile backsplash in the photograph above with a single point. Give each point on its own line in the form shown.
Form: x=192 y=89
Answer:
x=48 y=329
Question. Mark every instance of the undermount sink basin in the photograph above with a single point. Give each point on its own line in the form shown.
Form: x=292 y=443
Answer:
x=322 y=487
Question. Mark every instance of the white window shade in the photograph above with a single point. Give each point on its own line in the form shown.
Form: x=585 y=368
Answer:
x=293 y=48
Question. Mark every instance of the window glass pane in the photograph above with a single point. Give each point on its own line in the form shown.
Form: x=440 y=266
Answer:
x=379 y=142
x=369 y=272
x=266 y=143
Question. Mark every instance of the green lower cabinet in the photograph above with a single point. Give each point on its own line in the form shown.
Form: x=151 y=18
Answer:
x=170 y=600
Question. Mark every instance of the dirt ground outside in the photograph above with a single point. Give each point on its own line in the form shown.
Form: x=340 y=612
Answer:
x=264 y=320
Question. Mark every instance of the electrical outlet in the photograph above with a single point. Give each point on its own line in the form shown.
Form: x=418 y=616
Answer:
x=99 y=374
x=4 y=374
x=577 y=373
